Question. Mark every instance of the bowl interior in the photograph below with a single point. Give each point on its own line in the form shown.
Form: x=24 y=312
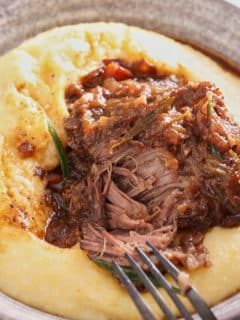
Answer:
x=185 y=20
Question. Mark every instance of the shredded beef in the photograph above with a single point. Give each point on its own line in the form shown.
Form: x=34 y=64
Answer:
x=167 y=184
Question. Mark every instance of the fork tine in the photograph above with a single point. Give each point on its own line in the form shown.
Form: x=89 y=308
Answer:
x=164 y=283
x=198 y=303
x=135 y=295
x=170 y=267
x=149 y=285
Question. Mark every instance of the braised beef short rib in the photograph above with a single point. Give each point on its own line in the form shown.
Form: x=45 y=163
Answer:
x=153 y=158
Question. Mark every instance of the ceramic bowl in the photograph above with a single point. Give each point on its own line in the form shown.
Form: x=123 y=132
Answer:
x=211 y=25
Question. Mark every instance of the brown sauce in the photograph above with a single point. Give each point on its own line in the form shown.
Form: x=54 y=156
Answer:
x=151 y=156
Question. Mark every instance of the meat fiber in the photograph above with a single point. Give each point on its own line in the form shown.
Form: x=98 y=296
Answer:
x=153 y=158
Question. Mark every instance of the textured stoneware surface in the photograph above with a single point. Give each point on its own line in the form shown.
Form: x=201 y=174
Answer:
x=213 y=25
x=210 y=24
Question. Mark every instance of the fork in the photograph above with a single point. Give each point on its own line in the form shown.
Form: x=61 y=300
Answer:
x=191 y=293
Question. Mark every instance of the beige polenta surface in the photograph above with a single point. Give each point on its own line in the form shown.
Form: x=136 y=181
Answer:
x=32 y=83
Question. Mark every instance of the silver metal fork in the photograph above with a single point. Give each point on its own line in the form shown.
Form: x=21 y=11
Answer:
x=196 y=300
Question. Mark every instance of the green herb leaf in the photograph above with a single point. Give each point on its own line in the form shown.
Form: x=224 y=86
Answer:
x=215 y=151
x=142 y=124
x=209 y=109
x=132 y=275
x=176 y=289
x=60 y=150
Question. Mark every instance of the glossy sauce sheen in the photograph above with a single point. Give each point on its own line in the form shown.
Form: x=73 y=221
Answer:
x=142 y=168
